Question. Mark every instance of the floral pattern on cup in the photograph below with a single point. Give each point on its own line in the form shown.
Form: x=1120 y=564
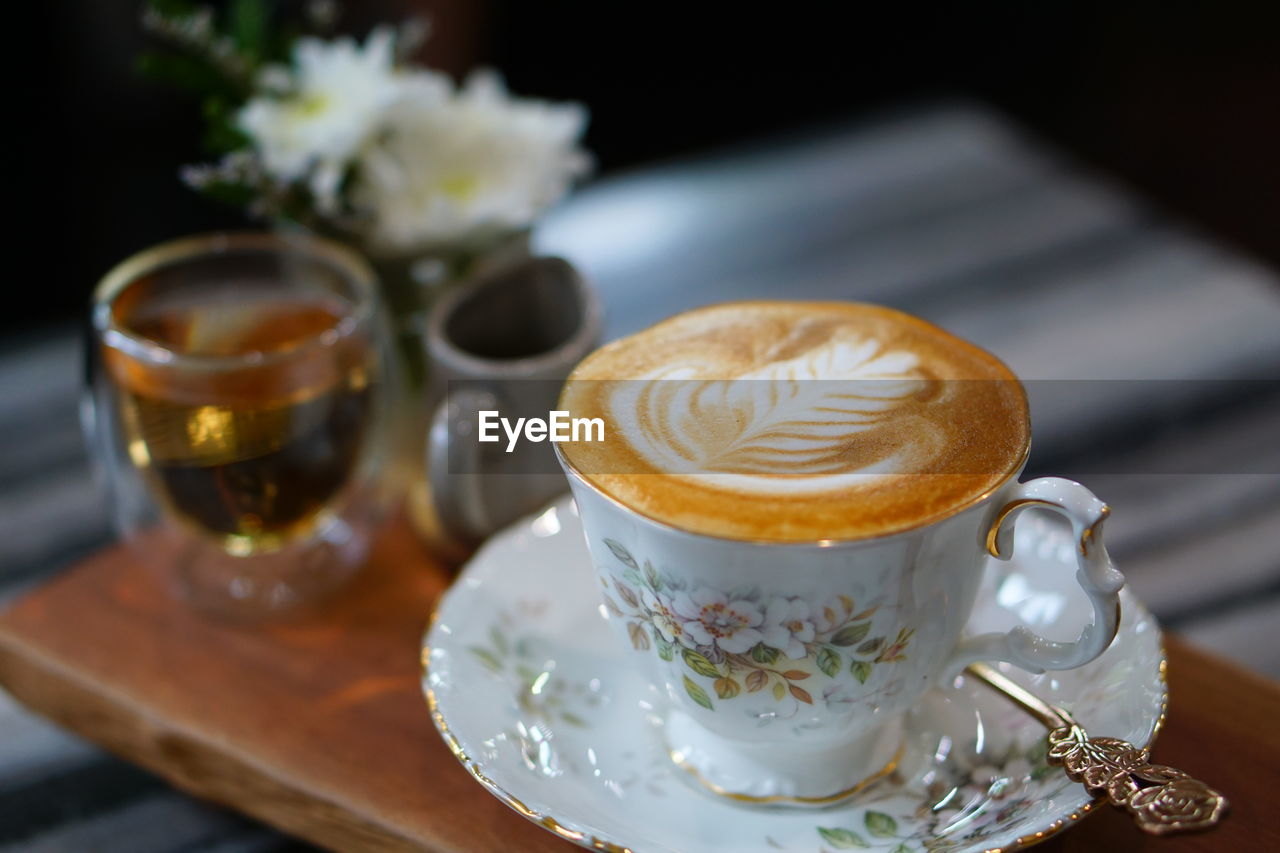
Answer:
x=745 y=642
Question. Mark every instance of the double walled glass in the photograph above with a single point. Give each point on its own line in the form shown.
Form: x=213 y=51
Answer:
x=237 y=407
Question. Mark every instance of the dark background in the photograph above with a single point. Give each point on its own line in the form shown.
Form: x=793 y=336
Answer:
x=1181 y=100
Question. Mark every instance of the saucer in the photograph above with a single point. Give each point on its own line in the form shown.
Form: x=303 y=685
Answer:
x=540 y=703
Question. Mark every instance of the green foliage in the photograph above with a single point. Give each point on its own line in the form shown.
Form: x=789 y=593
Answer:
x=624 y=556
x=851 y=634
x=767 y=655
x=221 y=134
x=861 y=670
x=697 y=694
x=247 y=27
x=666 y=650
x=236 y=195
x=700 y=664
x=841 y=839
x=881 y=825
x=174 y=8
x=491 y=661
x=829 y=661
x=190 y=73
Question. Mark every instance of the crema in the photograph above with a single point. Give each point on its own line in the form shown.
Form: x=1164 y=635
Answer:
x=797 y=421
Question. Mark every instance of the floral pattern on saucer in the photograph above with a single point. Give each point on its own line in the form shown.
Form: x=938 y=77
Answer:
x=742 y=643
x=969 y=800
x=550 y=714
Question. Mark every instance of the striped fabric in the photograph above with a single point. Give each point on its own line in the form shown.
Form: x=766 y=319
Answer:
x=947 y=212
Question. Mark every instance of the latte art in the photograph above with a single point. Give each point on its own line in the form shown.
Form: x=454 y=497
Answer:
x=789 y=425
x=794 y=421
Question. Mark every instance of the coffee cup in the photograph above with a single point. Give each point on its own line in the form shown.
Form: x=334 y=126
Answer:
x=790 y=520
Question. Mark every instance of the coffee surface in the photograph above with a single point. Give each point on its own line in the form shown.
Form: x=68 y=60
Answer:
x=797 y=421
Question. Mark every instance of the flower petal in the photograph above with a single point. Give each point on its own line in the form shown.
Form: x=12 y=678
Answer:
x=740 y=641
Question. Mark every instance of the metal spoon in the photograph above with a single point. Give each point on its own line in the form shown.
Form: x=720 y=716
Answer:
x=1161 y=799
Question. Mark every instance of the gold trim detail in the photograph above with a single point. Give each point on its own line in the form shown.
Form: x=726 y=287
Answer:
x=993 y=531
x=1090 y=533
x=591 y=842
x=776 y=799
x=547 y=822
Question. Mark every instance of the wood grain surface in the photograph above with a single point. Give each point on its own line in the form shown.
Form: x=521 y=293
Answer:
x=317 y=726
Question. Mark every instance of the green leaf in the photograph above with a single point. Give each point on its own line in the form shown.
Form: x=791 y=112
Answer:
x=779 y=690
x=851 y=634
x=841 y=839
x=861 y=670
x=247 y=26
x=499 y=640
x=184 y=72
x=236 y=195
x=666 y=650
x=870 y=645
x=488 y=658
x=829 y=661
x=700 y=664
x=623 y=555
x=760 y=653
x=652 y=576
x=639 y=637
x=697 y=694
x=881 y=825
x=902 y=848
x=627 y=595
x=727 y=688
x=173 y=8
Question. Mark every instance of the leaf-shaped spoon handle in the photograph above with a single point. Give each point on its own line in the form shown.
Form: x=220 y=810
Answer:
x=1161 y=799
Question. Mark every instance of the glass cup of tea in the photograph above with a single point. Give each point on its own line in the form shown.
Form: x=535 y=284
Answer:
x=238 y=413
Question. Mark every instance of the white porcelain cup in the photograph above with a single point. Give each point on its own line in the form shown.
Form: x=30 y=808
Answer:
x=818 y=648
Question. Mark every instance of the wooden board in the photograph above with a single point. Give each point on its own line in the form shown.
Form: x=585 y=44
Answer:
x=318 y=726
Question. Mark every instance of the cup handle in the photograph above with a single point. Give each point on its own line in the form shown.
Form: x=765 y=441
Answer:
x=456 y=495
x=1100 y=580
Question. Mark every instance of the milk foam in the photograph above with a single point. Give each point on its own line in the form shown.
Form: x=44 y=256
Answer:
x=794 y=420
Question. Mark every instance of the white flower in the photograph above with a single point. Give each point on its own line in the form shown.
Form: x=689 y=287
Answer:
x=831 y=614
x=715 y=620
x=787 y=626
x=335 y=97
x=665 y=619
x=469 y=165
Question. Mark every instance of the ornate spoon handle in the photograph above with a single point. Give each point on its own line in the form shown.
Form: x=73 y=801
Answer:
x=1161 y=799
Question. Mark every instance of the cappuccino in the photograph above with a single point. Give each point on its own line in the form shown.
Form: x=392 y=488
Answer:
x=796 y=421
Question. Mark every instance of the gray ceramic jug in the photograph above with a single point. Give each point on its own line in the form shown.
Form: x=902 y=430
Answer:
x=504 y=342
